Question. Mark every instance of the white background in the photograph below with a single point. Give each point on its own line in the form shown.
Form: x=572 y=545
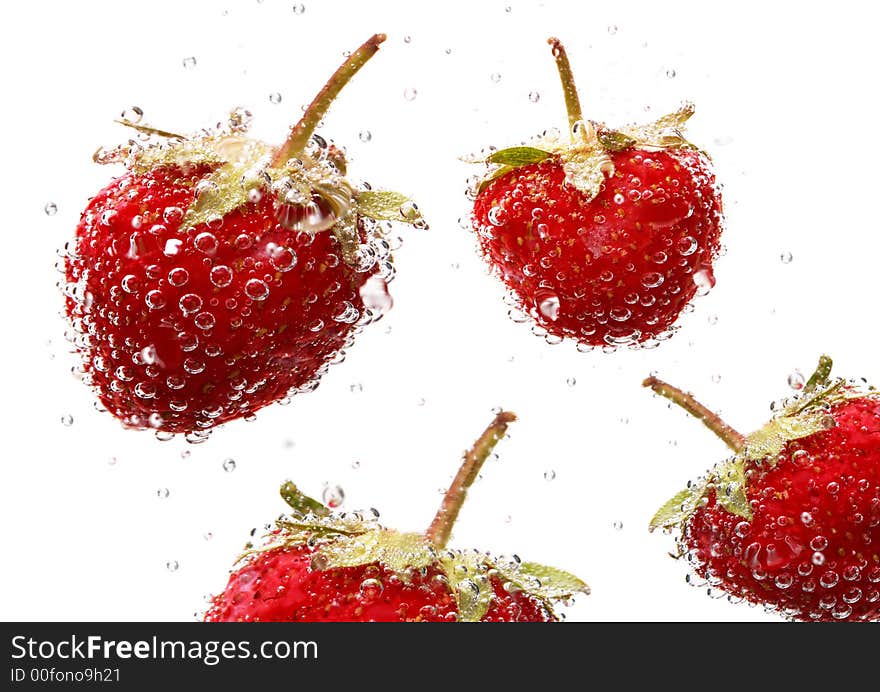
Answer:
x=785 y=104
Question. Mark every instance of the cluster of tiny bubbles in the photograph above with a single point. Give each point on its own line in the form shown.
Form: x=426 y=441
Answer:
x=299 y=8
x=50 y=209
x=189 y=62
x=410 y=93
x=786 y=257
x=67 y=420
x=333 y=496
x=172 y=565
x=275 y=98
x=549 y=475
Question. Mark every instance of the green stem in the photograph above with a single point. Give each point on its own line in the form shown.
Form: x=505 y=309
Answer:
x=572 y=102
x=301 y=132
x=820 y=377
x=732 y=438
x=440 y=529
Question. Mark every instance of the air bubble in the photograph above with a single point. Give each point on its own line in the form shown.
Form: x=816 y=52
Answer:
x=67 y=420
x=534 y=96
x=206 y=242
x=549 y=307
x=229 y=465
x=256 y=289
x=612 y=29
x=172 y=565
x=495 y=77
x=796 y=380
x=617 y=525
x=155 y=300
x=281 y=258
x=704 y=281
x=189 y=63
x=333 y=496
x=50 y=209
x=410 y=93
x=365 y=136
x=670 y=73
x=190 y=303
x=275 y=98
x=178 y=276
x=221 y=276
x=786 y=257
x=549 y=475
x=163 y=493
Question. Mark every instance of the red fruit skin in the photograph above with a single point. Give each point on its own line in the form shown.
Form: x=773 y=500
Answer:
x=621 y=265
x=211 y=349
x=821 y=567
x=281 y=586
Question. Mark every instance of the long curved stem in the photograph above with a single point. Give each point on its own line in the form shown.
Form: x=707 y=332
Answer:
x=732 y=438
x=303 y=130
x=572 y=102
x=440 y=529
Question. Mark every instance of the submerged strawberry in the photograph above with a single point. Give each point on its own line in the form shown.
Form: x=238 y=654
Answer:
x=324 y=567
x=601 y=235
x=792 y=521
x=220 y=274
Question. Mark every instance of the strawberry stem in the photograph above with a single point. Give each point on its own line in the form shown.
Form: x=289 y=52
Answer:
x=440 y=529
x=820 y=377
x=572 y=102
x=732 y=438
x=301 y=132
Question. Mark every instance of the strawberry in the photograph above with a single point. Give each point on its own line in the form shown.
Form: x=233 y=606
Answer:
x=792 y=520
x=220 y=274
x=602 y=236
x=319 y=566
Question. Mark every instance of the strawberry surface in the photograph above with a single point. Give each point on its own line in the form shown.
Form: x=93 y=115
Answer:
x=614 y=269
x=282 y=586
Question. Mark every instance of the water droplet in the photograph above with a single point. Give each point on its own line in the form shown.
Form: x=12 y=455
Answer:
x=178 y=276
x=365 y=135
x=617 y=525
x=190 y=303
x=206 y=242
x=275 y=98
x=612 y=29
x=281 y=258
x=189 y=63
x=51 y=209
x=155 y=300
x=229 y=465
x=410 y=93
x=549 y=475
x=333 y=496
x=67 y=420
x=670 y=73
x=162 y=493
x=221 y=276
x=534 y=96
x=495 y=77
x=299 y=8
x=571 y=381
x=786 y=257
x=796 y=380
x=172 y=565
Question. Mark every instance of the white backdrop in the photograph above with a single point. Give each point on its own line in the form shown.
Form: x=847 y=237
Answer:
x=785 y=104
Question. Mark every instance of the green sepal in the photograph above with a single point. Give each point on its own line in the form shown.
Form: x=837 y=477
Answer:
x=385 y=205
x=467 y=573
x=549 y=583
x=396 y=551
x=518 y=156
x=679 y=508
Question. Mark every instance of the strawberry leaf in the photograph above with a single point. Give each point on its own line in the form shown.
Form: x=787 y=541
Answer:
x=384 y=205
x=396 y=551
x=679 y=508
x=300 y=502
x=612 y=140
x=545 y=582
x=518 y=156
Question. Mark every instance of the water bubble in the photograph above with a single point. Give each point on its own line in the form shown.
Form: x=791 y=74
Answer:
x=221 y=276
x=355 y=464
x=256 y=289
x=229 y=465
x=190 y=303
x=207 y=535
x=670 y=73
x=796 y=380
x=67 y=420
x=549 y=307
x=155 y=300
x=617 y=525
x=205 y=320
x=333 y=496
x=178 y=276
x=410 y=93
x=495 y=77
x=652 y=279
x=371 y=589
x=275 y=98
x=704 y=281
x=612 y=29
x=112 y=461
x=686 y=245
x=162 y=493
x=365 y=135
x=172 y=565
x=786 y=257
x=50 y=209
x=818 y=558
x=374 y=294
x=281 y=258
x=206 y=242
x=716 y=378
x=534 y=96
x=185 y=454
x=549 y=475
x=571 y=381
x=189 y=63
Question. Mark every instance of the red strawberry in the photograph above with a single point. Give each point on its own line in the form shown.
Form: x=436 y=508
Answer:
x=318 y=566
x=601 y=235
x=220 y=274
x=792 y=521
